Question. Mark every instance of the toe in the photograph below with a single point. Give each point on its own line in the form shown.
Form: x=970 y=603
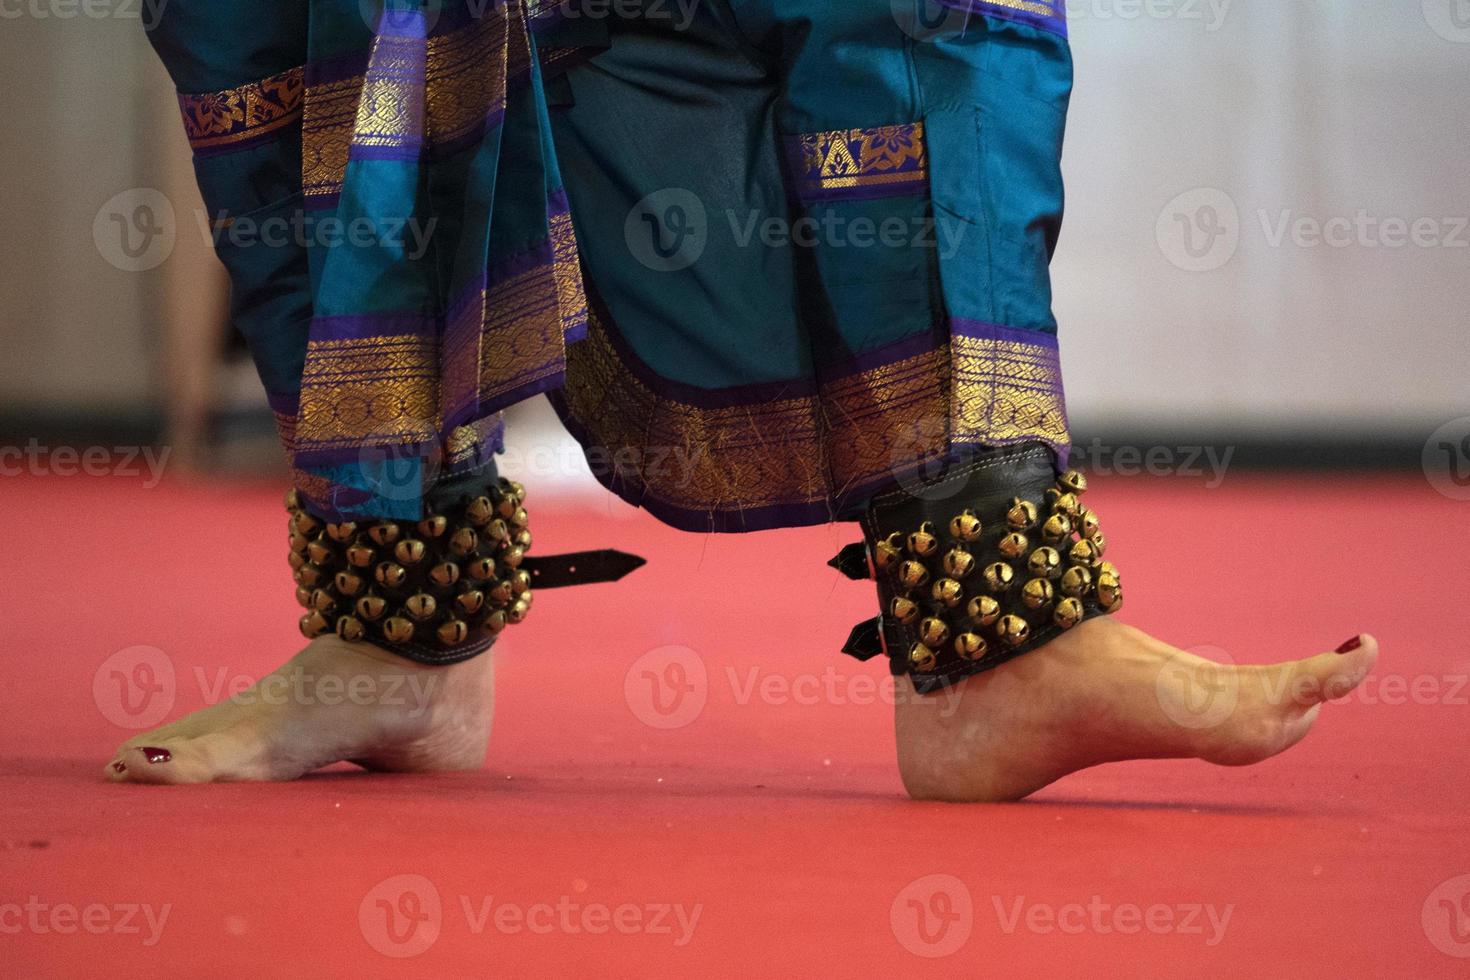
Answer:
x=164 y=761
x=1329 y=676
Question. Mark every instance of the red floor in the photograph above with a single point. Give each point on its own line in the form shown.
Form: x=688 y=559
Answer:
x=774 y=812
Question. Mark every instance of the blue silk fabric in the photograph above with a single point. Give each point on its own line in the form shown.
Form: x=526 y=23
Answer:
x=766 y=256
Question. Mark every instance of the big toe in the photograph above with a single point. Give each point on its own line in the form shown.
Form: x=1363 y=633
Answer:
x=1330 y=676
x=176 y=761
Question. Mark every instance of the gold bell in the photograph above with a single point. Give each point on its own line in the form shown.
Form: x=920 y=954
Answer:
x=293 y=500
x=1013 y=630
x=1065 y=503
x=518 y=612
x=520 y=519
x=452 y=633
x=303 y=596
x=348 y=584
x=958 y=563
x=1045 y=563
x=396 y=629
x=464 y=542
x=983 y=610
x=313 y=625
x=310 y=576
x=1058 y=528
x=319 y=552
x=496 y=621
x=888 y=552
x=999 y=576
x=965 y=527
x=1036 y=593
x=409 y=551
x=1068 y=613
x=904 y=609
x=372 y=607
x=305 y=523
x=913 y=575
x=323 y=601
x=350 y=628
x=1113 y=602
x=421 y=606
x=360 y=556
x=522 y=539
x=299 y=543
x=1083 y=553
x=470 y=602
x=1109 y=588
x=933 y=632
x=1106 y=568
x=342 y=533
x=947 y=592
x=501 y=593
x=480 y=569
x=390 y=575
x=1073 y=481
x=497 y=530
x=922 y=659
x=513 y=556
x=520 y=583
x=295 y=560
x=1099 y=543
x=923 y=543
x=384 y=534
x=444 y=574
x=1076 y=581
x=434 y=526
x=1022 y=515
x=480 y=511
x=1089 y=525
x=507 y=506
x=970 y=646
x=1014 y=545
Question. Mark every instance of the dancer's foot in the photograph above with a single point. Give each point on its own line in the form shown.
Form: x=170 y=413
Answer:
x=1105 y=692
x=331 y=702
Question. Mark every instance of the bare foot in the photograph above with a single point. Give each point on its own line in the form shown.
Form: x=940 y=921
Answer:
x=331 y=702
x=1105 y=692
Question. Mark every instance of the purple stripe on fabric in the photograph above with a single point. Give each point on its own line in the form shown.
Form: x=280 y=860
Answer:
x=1055 y=23
x=807 y=193
x=982 y=330
x=360 y=325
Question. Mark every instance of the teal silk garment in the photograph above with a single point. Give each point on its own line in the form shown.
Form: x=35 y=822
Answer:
x=766 y=256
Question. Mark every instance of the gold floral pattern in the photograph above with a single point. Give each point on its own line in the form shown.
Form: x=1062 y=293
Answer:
x=231 y=116
x=860 y=162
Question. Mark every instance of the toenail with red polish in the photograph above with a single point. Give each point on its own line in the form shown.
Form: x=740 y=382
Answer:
x=1350 y=645
x=155 y=756
x=119 y=767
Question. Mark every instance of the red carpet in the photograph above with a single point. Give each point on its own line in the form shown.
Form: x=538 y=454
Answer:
x=771 y=819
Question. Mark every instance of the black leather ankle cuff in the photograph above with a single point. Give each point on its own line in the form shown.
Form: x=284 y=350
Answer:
x=995 y=558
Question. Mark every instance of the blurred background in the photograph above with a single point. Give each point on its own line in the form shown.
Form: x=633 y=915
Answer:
x=1266 y=248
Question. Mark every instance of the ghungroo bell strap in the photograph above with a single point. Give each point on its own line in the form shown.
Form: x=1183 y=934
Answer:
x=437 y=590
x=994 y=559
